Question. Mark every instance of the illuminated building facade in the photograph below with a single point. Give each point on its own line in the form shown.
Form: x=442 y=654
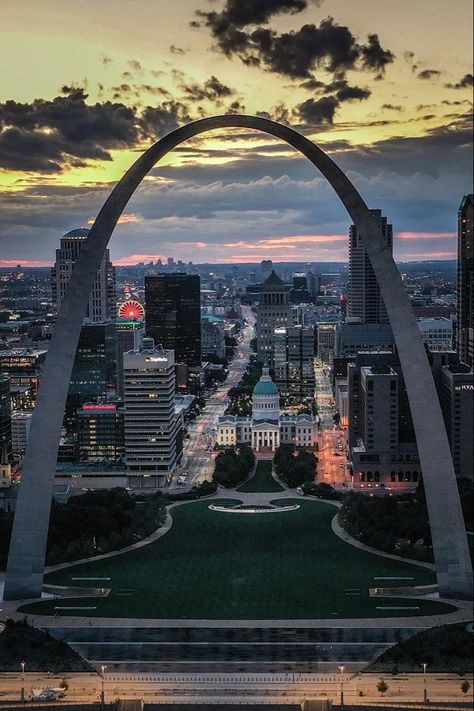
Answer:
x=153 y=437
x=23 y=367
x=293 y=358
x=267 y=428
x=101 y=432
x=95 y=367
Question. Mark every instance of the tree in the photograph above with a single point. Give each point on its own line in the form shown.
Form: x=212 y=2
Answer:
x=382 y=687
x=465 y=686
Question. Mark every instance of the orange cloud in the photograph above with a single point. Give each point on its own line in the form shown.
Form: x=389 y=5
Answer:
x=425 y=235
x=431 y=255
x=134 y=258
x=23 y=263
x=124 y=219
x=287 y=242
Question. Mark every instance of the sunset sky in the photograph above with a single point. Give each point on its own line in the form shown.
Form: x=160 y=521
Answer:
x=384 y=87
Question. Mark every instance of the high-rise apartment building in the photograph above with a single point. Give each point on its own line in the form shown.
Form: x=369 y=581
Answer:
x=21 y=421
x=465 y=322
x=153 y=438
x=102 y=302
x=294 y=360
x=379 y=408
x=274 y=311
x=173 y=315
x=364 y=298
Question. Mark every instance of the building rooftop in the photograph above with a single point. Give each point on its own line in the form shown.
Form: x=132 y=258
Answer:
x=79 y=232
x=273 y=283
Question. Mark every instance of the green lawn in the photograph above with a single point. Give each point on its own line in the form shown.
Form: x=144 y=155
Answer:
x=215 y=565
x=262 y=481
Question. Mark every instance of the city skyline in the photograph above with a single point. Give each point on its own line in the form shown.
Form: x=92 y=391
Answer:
x=391 y=111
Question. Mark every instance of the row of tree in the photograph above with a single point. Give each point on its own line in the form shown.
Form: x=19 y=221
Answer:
x=233 y=466
x=93 y=523
x=398 y=524
x=294 y=466
x=241 y=395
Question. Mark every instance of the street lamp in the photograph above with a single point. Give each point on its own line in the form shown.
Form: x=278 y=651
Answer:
x=341 y=669
x=22 y=696
x=102 y=695
x=425 y=692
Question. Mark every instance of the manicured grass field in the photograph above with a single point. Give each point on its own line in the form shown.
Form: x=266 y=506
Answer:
x=215 y=565
x=262 y=481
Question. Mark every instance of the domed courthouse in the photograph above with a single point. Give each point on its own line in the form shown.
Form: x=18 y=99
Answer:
x=267 y=429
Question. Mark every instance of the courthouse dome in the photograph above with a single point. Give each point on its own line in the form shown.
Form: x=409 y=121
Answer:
x=265 y=385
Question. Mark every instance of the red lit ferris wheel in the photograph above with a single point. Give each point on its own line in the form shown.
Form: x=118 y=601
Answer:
x=131 y=310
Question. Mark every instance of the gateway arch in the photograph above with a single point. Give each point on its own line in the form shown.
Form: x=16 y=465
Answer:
x=24 y=577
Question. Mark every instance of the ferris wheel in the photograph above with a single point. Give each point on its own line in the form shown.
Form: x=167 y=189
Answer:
x=131 y=310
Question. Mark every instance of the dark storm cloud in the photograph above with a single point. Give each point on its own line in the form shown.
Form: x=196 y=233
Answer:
x=375 y=57
x=352 y=93
x=429 y=74
x=212 y=89
x=49 y=135
x=159 y=120
x=236 y=107
x=416 y=181
x=464 y=83
x=240 y=13
x=318 y=111
x=294 y=54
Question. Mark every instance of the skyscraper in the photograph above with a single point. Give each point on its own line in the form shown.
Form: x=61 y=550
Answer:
x=273 y=312
x=153 y=440
x=294 y=360
x=173 y=315
x=465 y=324
x=95 y=368
x=365 y=300
x=102 y=304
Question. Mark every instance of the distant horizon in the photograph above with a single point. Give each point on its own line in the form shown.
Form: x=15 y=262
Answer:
x=14 y=264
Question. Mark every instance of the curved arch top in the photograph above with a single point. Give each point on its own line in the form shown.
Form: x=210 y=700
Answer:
x=28 y=545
